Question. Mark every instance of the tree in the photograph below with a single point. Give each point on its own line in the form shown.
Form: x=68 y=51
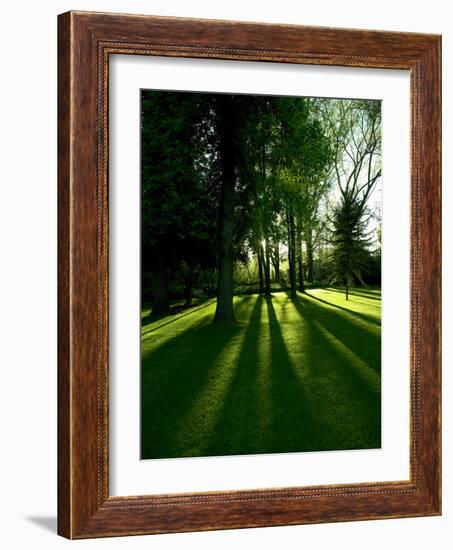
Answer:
x=226 y=120
x=305 y=153
x=355 y=128
x=235 y=179
x=350 y=241
x=356 y=133
x=178 y=188
x=258 y=192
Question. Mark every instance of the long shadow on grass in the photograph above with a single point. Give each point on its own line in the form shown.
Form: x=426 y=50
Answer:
x=173 y=376
x=362 y=338
x=268 y=403
x=367 y=304
x=236 y=422
x=362 y=316
x=369 y=294
x=345 y=396
x=293 y=426
x=321 y=400
x=275 y=405
x=266 y=409
x=176 y=316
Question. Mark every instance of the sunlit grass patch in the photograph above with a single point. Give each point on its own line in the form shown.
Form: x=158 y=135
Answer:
x=288 y=376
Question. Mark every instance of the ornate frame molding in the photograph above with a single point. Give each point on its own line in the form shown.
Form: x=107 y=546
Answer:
x=86 y=40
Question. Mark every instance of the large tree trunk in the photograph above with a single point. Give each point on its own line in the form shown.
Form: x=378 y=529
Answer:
x=226 y=117
x=309 y=243
x=161 y=302
x=267 y=271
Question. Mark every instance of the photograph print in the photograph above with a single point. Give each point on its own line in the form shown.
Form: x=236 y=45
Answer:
x=260 y=274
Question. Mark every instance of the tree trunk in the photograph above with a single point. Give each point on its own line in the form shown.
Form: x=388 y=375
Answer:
x=277 y=271
x=188 y=286
x=275 y=259
x=300 y=268
x=309 y=243
x=347 y=289
x=267 y=271
x=260 y=271
x=300 y=273
x=289 y=248
x=161 y=302
x=276 y=267
x=292 y=255
x=226 y=119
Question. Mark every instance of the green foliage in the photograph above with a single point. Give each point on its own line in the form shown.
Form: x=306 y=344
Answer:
x=293 y=158
x=350 y=241
x=178 y=152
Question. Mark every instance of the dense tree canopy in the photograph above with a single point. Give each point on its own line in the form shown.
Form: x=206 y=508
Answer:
x=245 y=193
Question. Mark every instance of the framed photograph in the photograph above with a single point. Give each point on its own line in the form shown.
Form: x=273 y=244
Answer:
x=249 y=275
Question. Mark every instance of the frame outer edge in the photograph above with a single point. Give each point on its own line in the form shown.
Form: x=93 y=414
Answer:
x=427 y=275
x=64 y=315
x=82 y=512
x=432 y=270
x=438 y=297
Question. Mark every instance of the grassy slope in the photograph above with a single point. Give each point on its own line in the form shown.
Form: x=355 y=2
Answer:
x=301 y=376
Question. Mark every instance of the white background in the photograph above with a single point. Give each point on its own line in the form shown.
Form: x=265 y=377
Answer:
x=28 y=271
x=128 y=474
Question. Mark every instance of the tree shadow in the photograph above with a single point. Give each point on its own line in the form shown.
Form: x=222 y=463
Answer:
x=345 y=394
x=266 y=409
x=326 y=403
x=293 y=427
x=237 y=424
x=276 y=398
x=239 y=307
x=367 y=304
x=174 y=375
x=362 y=316
x=171 y=378
x=362 y=341
x=176 y=316
x=369 y=294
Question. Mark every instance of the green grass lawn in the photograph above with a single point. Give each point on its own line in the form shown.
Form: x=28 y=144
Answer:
x=288 y=376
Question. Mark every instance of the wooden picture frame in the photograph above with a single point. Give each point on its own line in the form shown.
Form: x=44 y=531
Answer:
x=85 y=42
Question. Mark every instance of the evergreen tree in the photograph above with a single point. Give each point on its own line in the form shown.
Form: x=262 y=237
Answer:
x=350 y=241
